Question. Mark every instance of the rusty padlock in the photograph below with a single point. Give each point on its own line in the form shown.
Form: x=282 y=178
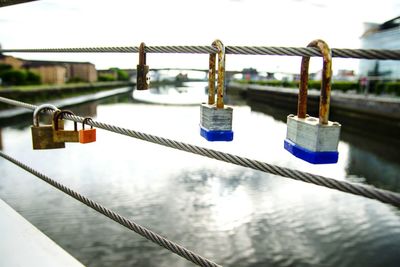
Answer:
x=61 y=135
x=142 y=70
x=88 y=135
x=313 y=139
x=216 y=118
x=42 y=136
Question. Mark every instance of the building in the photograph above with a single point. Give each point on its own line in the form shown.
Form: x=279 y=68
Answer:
x=74 y=71
x=49 y=72
x=83 y=71
x=54 y=72
x=381 y=36
x=14 y=62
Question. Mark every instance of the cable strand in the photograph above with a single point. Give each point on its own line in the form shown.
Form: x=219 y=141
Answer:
x=148 y=234
x=383 y=54
x=344 y=186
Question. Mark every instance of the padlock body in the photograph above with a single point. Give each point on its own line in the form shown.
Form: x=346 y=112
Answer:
x=216 y=124
x=311 y=141
x=42 y=138
x=87 y=136
x=65 y=136
x=142 y=80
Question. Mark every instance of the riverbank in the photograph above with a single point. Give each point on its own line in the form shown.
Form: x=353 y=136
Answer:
x=287 y=98
x=44 y=93
x=374 y=117
x=12 y=115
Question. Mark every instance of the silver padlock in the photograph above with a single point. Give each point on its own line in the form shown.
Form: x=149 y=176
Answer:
x=314 y=140
x=215 y=118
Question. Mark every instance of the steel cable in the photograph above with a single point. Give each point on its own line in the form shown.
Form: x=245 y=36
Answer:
x=148 y=234
x=4 y=3
x=344 y=186
x=383 y=54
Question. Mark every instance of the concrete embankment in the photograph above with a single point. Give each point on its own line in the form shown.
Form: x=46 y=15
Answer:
x=360 y=114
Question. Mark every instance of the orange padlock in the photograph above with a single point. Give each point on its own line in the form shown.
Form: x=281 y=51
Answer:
x=87 y=136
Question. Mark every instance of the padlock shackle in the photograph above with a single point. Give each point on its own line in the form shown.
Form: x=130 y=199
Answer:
x=86 y=120
x=325 y=96
x=142 y=54
x=40 y=108
x=60 y=115
x=221 y=72
x=211 y=79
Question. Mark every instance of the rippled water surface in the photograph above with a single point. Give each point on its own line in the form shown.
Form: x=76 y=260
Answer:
x=232 y=215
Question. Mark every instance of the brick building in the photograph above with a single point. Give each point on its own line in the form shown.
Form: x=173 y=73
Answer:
x=54 y=72
x=16 y=63
x=49 y=72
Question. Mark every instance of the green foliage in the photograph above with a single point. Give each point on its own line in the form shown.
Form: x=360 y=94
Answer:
x=121 y=74
x=344 y=86
x=14 y=77
x=106 y=78
x=4 y=67
x=19 y=77
x=32 y=78
x=392 y=88
x=75 y=80
x=10 y=76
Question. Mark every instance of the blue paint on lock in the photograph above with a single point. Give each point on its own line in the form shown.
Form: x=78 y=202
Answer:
x=314 y=157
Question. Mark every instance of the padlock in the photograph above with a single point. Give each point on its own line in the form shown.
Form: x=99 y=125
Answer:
x=42 y=136
x=312 y=139
x=215 y=118
x=61 y=135
x=142 y=70
x=88 y=135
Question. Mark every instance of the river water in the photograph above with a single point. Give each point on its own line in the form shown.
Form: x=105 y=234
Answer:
x=232 y=215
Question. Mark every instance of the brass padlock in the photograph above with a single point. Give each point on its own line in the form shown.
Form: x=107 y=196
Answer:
x=142 y=70
x=42 y=136
x=88 y=135
x=61 y=135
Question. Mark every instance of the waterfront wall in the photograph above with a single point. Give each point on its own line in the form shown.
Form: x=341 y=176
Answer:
x=377 y=117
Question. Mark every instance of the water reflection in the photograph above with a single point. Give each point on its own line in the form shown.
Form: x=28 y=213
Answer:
x=232 y=215
x=370 y=160
x=191 y=93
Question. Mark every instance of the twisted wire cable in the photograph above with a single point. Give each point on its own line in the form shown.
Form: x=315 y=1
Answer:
x=344 y=186
x=383 y=54
x=4 y=3
x=148 y=234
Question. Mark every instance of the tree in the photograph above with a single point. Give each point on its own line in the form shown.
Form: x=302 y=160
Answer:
x=4 y=67
x=14 y=77
x=106 y=78
x=19 y=77
x=121 y=74
x=32 y=78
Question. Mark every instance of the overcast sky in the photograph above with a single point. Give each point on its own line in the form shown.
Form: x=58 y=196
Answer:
x=83 y=23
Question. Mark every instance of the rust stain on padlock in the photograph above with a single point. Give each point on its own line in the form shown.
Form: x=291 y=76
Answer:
x=221 y=72
x=325 y=83
x=211 y=79
x=142 y=70
x=60 y=135
x=42 y=136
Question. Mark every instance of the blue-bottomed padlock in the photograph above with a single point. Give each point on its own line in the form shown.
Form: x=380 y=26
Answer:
x=215 y=118
x=314 y=140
